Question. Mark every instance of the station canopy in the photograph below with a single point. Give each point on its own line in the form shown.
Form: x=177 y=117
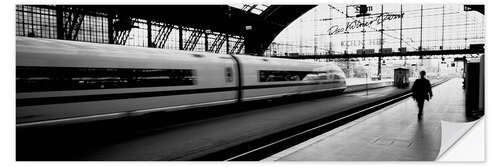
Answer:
x=259 y=24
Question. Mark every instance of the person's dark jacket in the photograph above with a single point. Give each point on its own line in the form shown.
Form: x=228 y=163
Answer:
x=422 y=89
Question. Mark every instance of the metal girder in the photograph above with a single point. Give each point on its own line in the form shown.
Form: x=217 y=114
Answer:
x=221 y=42
x=161 y=38
x=216 y=18
x=121 y=29
x=217 y=43
x=72 y=23
x=237 y=46
x=240 y=48
x=394 y=54
x=274 y=19
x=193 y=39
x=120 y=37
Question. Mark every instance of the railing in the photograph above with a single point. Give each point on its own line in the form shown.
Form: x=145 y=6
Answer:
x=393 y=54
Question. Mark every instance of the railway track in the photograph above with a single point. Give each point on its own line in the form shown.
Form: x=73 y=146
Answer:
x=59 y=141
x=269 y=145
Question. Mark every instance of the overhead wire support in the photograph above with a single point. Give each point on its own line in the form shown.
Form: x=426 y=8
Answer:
x=401 y=34
x=466 y=21
x=421 y=24
x=379 y=67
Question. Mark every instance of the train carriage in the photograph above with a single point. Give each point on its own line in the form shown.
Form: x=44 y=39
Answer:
x=60 y=82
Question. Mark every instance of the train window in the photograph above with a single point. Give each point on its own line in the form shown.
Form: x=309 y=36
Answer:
x=336 y=77
x=228 y=74
x=33 y=79
x=322 y=76
x=279 y=76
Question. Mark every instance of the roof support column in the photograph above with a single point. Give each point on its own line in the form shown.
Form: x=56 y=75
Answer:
x=206 y=41
x=110 y=28
x=227 y=43
x=59 y=22
x=253 y=45
x=180 y=38
x=150 y=41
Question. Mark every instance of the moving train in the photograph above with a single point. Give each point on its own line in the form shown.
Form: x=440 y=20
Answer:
x=61 y=82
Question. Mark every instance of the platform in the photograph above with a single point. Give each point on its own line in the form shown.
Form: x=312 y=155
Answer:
x=390 y=134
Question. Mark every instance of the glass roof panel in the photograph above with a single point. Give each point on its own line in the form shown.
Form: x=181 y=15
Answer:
x=255 y=9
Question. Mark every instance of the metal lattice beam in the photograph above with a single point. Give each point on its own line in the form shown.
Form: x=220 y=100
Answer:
x=237 y=46
x=122 y=27
x=193 y=39
x=220 y=44
x=393 y=54
x=215 y=43
x=72 y=23
x=161 y=38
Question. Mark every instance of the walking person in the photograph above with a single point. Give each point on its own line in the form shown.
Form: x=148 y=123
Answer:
x=422 y=90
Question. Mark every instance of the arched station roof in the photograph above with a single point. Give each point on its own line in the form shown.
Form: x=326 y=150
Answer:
x=259 y=26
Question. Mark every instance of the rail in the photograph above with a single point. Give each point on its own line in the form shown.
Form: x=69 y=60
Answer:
x=266 y=146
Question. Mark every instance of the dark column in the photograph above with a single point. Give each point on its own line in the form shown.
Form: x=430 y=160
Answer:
x=111 y=15
x=180 y=38
x=206 y=41
x=59 y=22
x=227 y=43
x=253 y=41
x=150 y=41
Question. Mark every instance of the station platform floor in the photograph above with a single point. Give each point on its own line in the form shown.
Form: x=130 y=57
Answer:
x=391 y=134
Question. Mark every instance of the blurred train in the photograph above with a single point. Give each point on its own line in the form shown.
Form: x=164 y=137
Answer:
x=60 y=82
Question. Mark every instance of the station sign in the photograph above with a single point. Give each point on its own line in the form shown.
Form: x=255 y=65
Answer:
x=362 y=16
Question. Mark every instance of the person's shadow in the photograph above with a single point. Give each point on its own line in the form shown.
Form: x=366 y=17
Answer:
x=425 y=146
